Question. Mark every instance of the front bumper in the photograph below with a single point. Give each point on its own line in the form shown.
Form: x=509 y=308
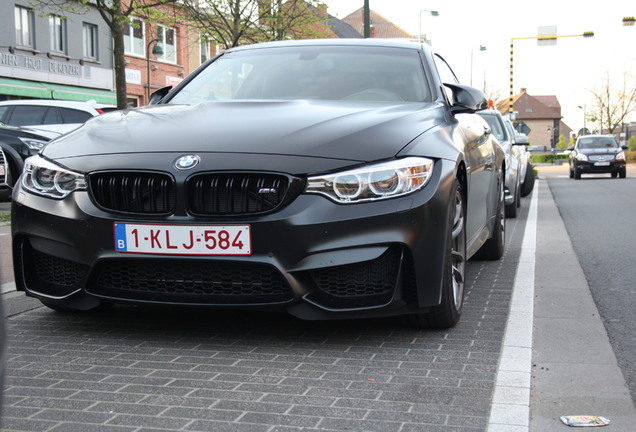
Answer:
x=314 y=258
x=587 y=167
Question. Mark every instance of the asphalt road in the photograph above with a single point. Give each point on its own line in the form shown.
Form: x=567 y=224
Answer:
x=598 y=213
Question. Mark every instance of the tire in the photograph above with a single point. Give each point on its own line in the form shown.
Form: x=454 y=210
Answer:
x=10 y=177
x=512 y=210
x=528 y=181
x=614 y=174
x=571 y=173
x=622 y=173
x=494 y=247
x=448 y=312
x=577 y=174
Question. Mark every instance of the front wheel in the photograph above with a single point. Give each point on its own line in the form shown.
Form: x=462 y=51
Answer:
x=622 y=173
x=448 y=312
x=494 y=247
x=528 y=181
x=512 y=210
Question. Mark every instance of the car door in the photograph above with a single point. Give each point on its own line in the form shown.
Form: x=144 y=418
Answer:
x=478 y=155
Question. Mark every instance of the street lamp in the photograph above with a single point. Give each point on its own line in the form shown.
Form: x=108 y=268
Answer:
x=584 y=120
x=156 y=50
x=431 y=13
x=481 y=48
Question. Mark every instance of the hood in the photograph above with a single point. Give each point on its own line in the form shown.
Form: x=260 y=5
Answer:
x=336 y=130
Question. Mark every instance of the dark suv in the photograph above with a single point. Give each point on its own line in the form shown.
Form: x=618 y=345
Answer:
x=17 y=144
x=597 y=154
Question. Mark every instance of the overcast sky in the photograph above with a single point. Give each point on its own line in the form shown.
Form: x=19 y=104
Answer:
x=567 y=70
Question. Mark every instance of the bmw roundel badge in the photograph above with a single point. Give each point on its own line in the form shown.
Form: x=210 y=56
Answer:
x=187 y=162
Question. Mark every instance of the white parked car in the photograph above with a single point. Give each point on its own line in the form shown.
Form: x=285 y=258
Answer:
x=50 y=115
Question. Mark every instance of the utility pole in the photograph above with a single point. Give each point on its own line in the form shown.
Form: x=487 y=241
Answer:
x=367 y=19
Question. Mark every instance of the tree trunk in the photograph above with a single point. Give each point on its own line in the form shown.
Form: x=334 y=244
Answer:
x=119 y=60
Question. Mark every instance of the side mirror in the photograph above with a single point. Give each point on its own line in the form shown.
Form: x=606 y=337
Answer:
x=157 y=96
x=624 y=147
x=467 y=99
x=521 y=139
x=570 y=148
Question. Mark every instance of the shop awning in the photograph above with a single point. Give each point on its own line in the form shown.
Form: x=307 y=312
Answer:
x=16 y=87
x=64 y=92
x=40 y=90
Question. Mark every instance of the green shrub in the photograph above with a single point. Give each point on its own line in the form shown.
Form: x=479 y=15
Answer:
x=631 y=156
x=548 y=158
x=632 y=143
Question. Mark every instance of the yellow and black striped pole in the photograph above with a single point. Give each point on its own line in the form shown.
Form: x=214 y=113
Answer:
x=586 y=34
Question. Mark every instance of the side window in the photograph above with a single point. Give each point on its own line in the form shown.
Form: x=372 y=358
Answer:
x=28 y=115
x=52 y=116
x=74 y=116
x=3 y=110
x=447 y=75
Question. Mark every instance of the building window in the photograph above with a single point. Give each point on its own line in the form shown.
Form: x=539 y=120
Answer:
x=205 y=48
x=134 y=38
x=57 y=33
x=168 y=41
x=89 y=33
x=24 y=27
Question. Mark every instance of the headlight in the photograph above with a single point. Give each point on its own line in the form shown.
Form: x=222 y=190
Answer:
x=374 y=182
x=581 y=157
x=42 y=177
x=620 y=156
x=33 y=144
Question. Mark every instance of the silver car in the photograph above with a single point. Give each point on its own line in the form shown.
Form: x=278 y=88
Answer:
x=515 y=156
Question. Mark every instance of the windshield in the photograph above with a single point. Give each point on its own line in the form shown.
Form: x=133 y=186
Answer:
x=597 y=142
x=311 y=73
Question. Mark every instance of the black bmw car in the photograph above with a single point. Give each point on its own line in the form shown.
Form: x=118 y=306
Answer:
x=329 y=179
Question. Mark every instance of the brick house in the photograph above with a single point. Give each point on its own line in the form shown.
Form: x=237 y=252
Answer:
x=380 y=26
x=147 y=70
x=541 y=115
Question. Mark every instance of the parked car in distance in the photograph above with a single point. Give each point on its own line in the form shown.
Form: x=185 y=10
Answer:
x=502 y=130
x=597 y=154
x=56 y=116
x=520 y=146
x=358 y=190
x=18 y=144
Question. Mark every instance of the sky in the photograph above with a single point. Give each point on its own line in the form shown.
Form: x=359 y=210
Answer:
x=568 y=70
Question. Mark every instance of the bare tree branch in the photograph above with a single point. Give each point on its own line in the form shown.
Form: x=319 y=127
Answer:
x=613 y=106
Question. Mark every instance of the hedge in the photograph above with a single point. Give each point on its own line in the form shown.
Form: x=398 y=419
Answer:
x=551 y=158
x=548 y=157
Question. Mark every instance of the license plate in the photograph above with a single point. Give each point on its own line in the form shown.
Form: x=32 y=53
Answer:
x=601 y=163
x=183 y=239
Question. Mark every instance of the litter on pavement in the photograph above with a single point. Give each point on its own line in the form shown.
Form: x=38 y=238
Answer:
x=585 y=421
